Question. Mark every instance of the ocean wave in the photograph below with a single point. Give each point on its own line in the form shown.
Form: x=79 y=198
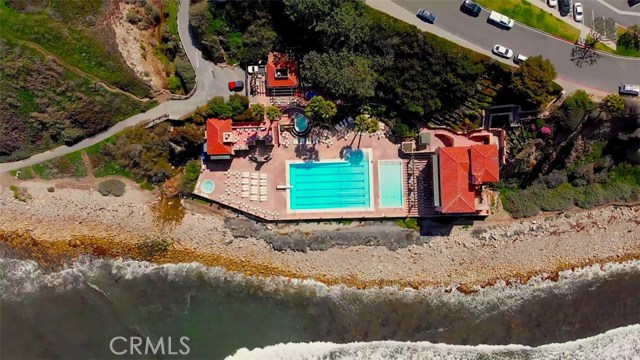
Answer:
x=22 y=277
x=620 y=343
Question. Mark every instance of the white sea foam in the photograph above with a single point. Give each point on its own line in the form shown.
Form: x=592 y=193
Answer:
x=21 y=277
x=620 y=343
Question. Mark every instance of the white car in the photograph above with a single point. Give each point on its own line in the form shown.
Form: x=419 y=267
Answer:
x=578 y=12
x=252 y=69
x=552 y=3
x=503 y=51
x=520 y=58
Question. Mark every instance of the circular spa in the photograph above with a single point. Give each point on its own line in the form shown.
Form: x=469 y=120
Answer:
x=207 y=186
x=301 y=125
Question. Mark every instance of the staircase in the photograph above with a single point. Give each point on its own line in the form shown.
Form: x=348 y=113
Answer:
x=418 y=184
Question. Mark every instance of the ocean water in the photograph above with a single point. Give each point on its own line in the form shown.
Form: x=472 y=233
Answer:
x=75 y=313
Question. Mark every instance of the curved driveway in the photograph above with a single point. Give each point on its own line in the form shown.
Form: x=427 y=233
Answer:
x=211 y=81
x=604 y=76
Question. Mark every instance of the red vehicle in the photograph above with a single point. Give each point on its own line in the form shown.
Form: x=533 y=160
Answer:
x=236 y=85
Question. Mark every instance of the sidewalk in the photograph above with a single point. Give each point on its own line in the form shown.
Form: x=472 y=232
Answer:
x=584 y=29
x=542 y=4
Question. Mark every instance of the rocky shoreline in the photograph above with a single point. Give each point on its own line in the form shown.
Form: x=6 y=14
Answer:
x=74 y=220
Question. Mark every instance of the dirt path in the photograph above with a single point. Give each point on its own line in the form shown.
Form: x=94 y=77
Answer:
x=91 y=179
x=76 y=70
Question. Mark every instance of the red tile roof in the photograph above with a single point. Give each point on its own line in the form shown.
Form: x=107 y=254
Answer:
x=280 y=61
x=457 y=194
x=215 y=130
x=484 y=164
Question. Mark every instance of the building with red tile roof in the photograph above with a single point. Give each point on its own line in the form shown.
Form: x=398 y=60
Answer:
x=459 y=175
x=282 y=75
x=219 y=139
x=484 y=164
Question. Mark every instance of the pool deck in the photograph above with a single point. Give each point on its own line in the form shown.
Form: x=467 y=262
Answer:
x=229 y=180
x=260 y=189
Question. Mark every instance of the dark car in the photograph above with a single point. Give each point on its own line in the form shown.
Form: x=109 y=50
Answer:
x=470 y=8
x=424 y=15
x=633 y=3
x=236 y=85
x=565 y=7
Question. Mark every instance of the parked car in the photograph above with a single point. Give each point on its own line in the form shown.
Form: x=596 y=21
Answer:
x=578 y=12
x=471 y=8
x=503 y=51
x=236 y=85
x=633 y=3
x=424 y=15
x=552 y=3
x=252 y=69
x=501 y=20
x=628 y=89
x=520 y=58
x=565 y=7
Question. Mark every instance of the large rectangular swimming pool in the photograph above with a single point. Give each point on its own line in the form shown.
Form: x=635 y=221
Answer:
x=391 y=188
x=327 y=185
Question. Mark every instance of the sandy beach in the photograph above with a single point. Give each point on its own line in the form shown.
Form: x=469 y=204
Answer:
x=75 y=219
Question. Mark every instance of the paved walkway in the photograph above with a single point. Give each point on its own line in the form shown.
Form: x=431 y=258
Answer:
x=211 y=81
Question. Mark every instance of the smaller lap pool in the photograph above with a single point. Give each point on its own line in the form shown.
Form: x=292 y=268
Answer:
x=391 y=188
x=207 y=186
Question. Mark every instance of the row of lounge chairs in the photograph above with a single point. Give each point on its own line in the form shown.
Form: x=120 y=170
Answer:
x=343 y=124
x=306 y=141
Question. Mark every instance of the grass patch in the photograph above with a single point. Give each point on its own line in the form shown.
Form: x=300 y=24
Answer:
x=78 y=48
x=25 y=174
x=42 y=171
x=345 y=222
x=111 y=169
x=67 y=166
x=146 y=186
x=409 y=223
x=533 y=16
x=171 y=7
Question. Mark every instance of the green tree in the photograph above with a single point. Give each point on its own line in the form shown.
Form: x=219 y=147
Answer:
x=258 y=111
x=273 y=113
x=321 y=109
x=190 y=177
x=613 y=104
x=219 y=108
x=573 y=109
x=257 y=41
x=630 y=39
x=364 y=123
x=238 y=104
x=346 y=28
x=533 y=80
x=342 y=75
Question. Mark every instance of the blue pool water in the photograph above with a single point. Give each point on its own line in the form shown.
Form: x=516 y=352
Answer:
x=390 y=173
x=330 y=185
x=207 y=186
x=300 y=122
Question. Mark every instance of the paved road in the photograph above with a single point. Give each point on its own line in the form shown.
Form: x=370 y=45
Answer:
x=604 y=76
x=211 y=81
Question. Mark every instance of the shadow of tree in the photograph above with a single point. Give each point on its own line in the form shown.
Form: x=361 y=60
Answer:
x=307 y=153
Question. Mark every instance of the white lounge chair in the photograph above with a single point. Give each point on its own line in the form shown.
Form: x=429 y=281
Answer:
x=263 y=182
x=263 y=198
x=245 y=175
x=254 y=182
x=263 y=176
x=245 y=181
x=263 y=191
x=245 y=194
x=254 y=190
x=254 y=197
x=254 y=175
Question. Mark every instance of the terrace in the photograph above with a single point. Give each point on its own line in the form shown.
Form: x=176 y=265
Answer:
x=331 y=173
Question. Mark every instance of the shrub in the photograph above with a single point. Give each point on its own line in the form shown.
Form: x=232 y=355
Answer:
x=555 y=179
x=409 y=223
x=520 y=204
x=401 y=130
x=190 y=177
x=583 y=175
x=560 y=198
x=51 y=189
x=20 y=193
x=590 y=196
x=25 y=174
x=111 y=187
